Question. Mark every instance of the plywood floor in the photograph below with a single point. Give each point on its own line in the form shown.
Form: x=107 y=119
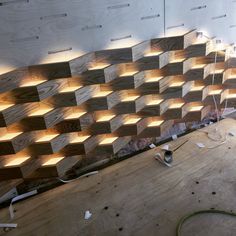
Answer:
x=140 y=197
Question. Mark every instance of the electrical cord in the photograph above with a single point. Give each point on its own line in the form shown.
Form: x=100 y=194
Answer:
x=187 y=217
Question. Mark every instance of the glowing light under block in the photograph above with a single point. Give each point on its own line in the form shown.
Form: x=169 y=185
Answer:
x=155 y=123
x=176 y=105
x=176 y=84
x=40 y=112
x=74 y=115
x=79 y=139
x=153 y=79
x=217 y=71
x=129 y=73
x=215 y=92
x=9 y=136
x=152 y=54
x=177 y=60
x=231 y=95
x=17 y=161
x=5 y=106
x=32 y=83
x=198 y=66
x=130 y=98
x=70 y=89
x=195 y=108
x=105 y=118
x=102 y=94
x=197 y=88
x=108 y=140
x=154 y=102
x=53 y=161
x=132 y=120
x=99 y=67
x=47 y=137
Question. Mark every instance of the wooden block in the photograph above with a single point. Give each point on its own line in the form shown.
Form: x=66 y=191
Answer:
x=74 y=95
x=193 y=91
x=75 y=121
x=130 y=104
x=174 y=43
x=171 y=84
x=34 y=91
x=81 y=64
x=128 y=80
x=229 y=78
x=55 y=166
x=150 y=86
x=101 y=73
x=50 y=71
x=44 y=118
x=132 y=126
x=200 y=49
x=11 y=143
x=10 y=113
x=106 y=122
x=210 y=93
x=172 y=109
x=109 y=144
x=12 y=79
x=228 y=98
x=155 y=127
x=80 y=144
x=102 y=100
x=195 y=111
x=14 y=167
x=49 y=144
x=123 y=55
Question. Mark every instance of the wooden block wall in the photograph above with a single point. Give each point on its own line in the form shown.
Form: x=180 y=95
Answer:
x=53 y=115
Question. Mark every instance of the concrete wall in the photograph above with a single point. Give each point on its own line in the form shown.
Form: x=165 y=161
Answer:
x=43 y=31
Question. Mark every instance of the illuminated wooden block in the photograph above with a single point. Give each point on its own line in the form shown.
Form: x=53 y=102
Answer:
x=128 y=80
x=49 y=144
x=74 y=95
x=123 y=55
x=130 y=104
x=106 y=122
x=152 y=106
x=174 y=43
x=195 y=111
x=193 y=91
x=14 y=167
x=11 y=143
x=172 y=109
x=228 y=98
x=216 y=74
x=151 y=85
x=75 y=121
x=55 y=166
x=155 y=127
x=132 y=126
x=43 y=118
x=229 y=78
x=11 y=113
x=102 y=100
x=110 y=144
x=100 y=73
x=211 y=93
x=197 y=72
x=152 y=60
x=37 y=90
x=80 y=144
x=50 y=71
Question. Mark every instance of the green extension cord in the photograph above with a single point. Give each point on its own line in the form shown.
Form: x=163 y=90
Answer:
x=185 y=218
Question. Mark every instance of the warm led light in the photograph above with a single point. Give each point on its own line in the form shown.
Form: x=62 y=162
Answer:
x=197 y=88
x=40 y=111
x=154 y=102
x=152 y=54
x=195 y=108
x=79 y=139
x=47 y=137
x=53 y=161
x=130 y=98
x=99 y=66
x=218 y=71
x=5 y=106
x=176 y=105
x=176 y=60
x=153 y=79
x=155 y=123
x=75 y=115
x=231 y=95
x=215 y=92
x=198 y=66
x=70 y=89
x=132 y=121
x=9 y=136
x=32 y=83
x=102 y=94
x=105 y=118
x=108 y=140
x=176 y=84
x=17 y=161
x=129 y=73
